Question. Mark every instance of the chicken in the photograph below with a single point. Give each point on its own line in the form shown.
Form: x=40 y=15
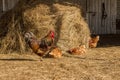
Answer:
x=29 y=36
x=55 y=53
x=78 y=50
x=93 y=41
x=48 y=41
x=40 y=47
x=33 y=43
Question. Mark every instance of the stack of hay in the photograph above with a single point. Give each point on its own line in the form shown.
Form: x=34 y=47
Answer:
x=40 y=17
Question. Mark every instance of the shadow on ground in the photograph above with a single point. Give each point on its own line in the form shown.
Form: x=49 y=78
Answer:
x=17 y=59
x=109 y=40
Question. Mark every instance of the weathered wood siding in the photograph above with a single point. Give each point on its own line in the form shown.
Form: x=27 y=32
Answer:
x=118 y=17
x=7 y=4
x=96 y=23
x=0 y=5
x=118 y=9
x=92 y=11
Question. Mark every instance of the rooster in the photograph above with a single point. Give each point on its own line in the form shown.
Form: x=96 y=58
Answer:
x=33 y=43
x=93 y=41
x=48 y=41
x=40 y=47
x=78 y=50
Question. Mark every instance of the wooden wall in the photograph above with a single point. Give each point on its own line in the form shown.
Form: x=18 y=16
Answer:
x=97 y=23
x=0 y=5
x=118 y=17
x=118 y=9
x=7 y=4
x=10 y=4
x=91 y=11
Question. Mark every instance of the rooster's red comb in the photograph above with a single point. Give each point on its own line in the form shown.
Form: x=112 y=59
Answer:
x=52 y=33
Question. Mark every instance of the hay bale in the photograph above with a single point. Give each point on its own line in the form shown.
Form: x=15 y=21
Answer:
x=13 y=39
x=73 y=29
x=39 y=20
x=40 y=17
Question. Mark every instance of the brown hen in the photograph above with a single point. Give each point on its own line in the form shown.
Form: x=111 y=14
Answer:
x=93 y=41
x=55 y=53
x=78 y=50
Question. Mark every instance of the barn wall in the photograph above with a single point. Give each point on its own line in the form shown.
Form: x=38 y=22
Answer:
x=0 y=5
x=118 y=9
x=95 y=16
x=7 y=4
x=93 y=21
x=118 y=17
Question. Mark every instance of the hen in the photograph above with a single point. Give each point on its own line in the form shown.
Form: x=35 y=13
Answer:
x=78 y=50
x=94 y=41
x=55 y=53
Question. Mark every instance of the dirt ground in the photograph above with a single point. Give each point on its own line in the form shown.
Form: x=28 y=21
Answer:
x=102 y=63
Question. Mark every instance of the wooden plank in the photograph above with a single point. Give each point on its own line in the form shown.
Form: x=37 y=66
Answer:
x=107 y=8
x=97 y=21
x=107 y=26
x=113 y=14
x=118 y=9
x=99 y=17
x=107 y=20
x=0 y=5
x=98 y=14
x=95 y=7
x=109 y=17
x=9 y=4
x=92 y=17
x=89 y=14
x=102 y=20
